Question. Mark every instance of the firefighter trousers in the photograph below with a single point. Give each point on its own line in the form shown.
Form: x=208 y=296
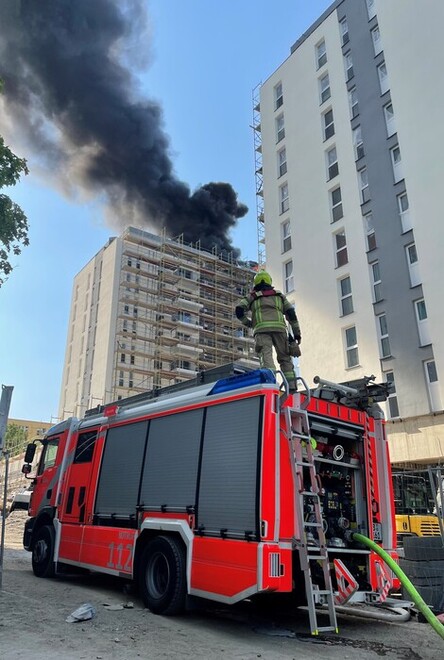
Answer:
x=263 y=345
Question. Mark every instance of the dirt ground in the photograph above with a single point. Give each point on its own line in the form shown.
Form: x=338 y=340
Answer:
x=33 y=616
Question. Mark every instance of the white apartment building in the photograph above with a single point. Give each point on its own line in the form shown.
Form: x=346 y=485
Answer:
x=349 y=187
x=149 y=312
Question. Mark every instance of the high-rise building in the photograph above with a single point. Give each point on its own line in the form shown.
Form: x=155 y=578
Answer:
x=349 y=190
x=148 y=312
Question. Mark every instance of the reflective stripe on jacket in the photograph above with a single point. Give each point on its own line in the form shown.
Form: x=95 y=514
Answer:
x=267 y=310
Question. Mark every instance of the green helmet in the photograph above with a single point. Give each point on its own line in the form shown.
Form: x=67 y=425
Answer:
x=262 y=278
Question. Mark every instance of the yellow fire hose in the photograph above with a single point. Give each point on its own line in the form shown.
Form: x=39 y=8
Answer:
x=410 y=589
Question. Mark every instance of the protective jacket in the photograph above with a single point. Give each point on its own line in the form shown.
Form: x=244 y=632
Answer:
x=269 y=309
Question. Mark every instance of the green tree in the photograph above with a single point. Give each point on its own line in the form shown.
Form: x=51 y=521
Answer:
x=16 y=439
x=13 y=222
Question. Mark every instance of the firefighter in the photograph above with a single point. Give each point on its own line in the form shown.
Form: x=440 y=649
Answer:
x=269 y=309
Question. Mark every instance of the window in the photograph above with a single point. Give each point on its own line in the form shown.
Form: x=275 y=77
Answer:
x=125 y=325
x=351 y=347
x=184 y=317
x=280 y=128
x=395 y=155
x=336 y=204
x=278 y=96
x=433 y=385
x=126 y=309
x=122 y=357
x=288 y=277
x=321 y=54
x=383 y=78
x=432 y=374
x=131 y=359
x=332 y=163
x=384 y=341
x=404 y=213
x=329 y=127
x=363 y=185
x=282 y=162
x=284 y=199
x=324 y=88
x=346 y=296
x=422 y=323
x=120 y=378
x=48 y=455
x=358 y=143
x=371 y=9
x=369 y=232
x=392 y=398
x=130 y=380
x=376 y=38
x=376 y=281
x=353 y=103
x=348 y=65
x=344 y=31
x=135 y=311
x=341 y=249
x=85 y=447
x=412 y=262
x=286 y=236
x=389 y=119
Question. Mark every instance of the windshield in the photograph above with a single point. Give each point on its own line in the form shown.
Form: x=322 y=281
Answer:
x=49 y=454
x=412 y=494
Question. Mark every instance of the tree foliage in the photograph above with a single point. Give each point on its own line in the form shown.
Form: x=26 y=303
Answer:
x=13 y=222
x=16 y=439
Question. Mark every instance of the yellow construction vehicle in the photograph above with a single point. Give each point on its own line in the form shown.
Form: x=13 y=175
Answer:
x=414 y=505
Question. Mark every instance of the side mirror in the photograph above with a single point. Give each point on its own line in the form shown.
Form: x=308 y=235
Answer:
x=30 y=453
x=26 y=468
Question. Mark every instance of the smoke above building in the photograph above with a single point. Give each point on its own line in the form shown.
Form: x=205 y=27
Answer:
x=69 y=90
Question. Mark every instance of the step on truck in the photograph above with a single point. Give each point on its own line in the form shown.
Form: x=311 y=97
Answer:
x=225 y=490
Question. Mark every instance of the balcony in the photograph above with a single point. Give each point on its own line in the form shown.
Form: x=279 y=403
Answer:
x=186 y=303
x=183 y=368
x=189 y=348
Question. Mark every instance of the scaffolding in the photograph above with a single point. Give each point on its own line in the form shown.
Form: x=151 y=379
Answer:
x=175 y=313
x=259 y=176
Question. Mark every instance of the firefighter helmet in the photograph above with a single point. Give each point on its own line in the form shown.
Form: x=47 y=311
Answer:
x=262 y=278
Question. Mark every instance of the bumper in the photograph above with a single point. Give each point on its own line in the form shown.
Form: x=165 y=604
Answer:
x=27 y=534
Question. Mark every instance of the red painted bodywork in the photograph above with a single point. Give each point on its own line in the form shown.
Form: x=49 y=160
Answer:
x=224 y=569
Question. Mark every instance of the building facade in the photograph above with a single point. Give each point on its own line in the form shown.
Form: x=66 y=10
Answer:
x=347 y=134
x=148 y=312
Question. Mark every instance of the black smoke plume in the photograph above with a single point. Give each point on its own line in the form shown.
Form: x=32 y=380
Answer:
x=70 y=92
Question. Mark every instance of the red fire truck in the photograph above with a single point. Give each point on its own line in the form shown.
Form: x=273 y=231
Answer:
x=225 y=489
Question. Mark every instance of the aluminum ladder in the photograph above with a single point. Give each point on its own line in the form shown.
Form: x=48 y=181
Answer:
x=307 y=492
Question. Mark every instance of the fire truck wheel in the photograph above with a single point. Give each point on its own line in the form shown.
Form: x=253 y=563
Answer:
x=162 y=575
x=43 y=552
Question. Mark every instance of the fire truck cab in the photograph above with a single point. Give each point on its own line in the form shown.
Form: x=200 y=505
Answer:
x=204 y=491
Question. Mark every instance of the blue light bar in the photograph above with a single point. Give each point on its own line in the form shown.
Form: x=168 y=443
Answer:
x=256 y=377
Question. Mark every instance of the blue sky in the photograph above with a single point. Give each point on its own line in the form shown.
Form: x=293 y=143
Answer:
x=204 y=59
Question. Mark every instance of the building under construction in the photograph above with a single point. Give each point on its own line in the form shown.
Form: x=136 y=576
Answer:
x=148 y=312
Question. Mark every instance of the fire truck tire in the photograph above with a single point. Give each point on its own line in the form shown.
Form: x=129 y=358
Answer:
x=162 y=575
x=43 y=552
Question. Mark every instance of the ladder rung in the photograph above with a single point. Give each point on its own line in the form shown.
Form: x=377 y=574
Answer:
x=316 y=557
x=322 y=592
x=301 y=436
x=312 y=524
x=326 y=629
x=309 y=493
